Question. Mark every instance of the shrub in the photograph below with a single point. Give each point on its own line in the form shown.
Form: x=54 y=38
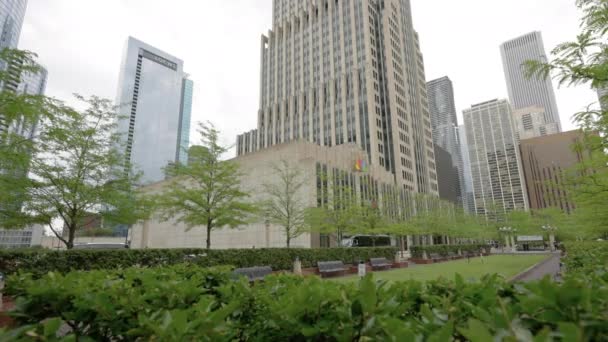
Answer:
x=443 y=250
x=584 y=257
x=42 y=262
x=191 y=303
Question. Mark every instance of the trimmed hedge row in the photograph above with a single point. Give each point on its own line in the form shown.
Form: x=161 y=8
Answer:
x=443 y=250
x=42 y=262
x=190 y=303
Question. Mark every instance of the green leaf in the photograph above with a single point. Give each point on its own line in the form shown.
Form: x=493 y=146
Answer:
x=476 y=332
x=443 y=334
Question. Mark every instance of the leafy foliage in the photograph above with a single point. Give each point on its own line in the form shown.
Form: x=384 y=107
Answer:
x=41 y=262
x=191 y=303
x=585 y=62
x=205 y=192
x=586 y=257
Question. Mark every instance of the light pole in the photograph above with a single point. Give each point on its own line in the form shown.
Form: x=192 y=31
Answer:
x=551 y=230
x=507 y=232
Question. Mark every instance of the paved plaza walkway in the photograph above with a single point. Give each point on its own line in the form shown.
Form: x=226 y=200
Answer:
x=549 y=267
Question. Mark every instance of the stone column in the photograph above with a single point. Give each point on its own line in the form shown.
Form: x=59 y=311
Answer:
x=552 y=242
x=513 y=243
x=507 y=247
x=410 y=242
x=430 y=237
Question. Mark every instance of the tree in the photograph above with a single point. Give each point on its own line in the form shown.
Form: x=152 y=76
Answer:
x=585 y=61
x=284 y=205
x=20 y=112
x=372 y=220
x=205 y=192
x=338 y=210
x=77 y=170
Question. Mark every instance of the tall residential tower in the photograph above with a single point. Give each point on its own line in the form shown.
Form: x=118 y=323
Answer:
x=496 y=169
x=524 y=92
x=347 y=72
x=155 y=96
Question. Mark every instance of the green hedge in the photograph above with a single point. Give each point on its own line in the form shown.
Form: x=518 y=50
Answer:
x=42 y=262
x=443 y=250
x=190 y=303
x=584 y=257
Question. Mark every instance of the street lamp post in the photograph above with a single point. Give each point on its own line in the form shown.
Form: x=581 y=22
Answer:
x=509 y=243
x=551 y=230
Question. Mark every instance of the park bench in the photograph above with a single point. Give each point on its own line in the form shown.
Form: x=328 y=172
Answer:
x=253 y=273
x=328 y=268
x=453 y=256
x=435 y=257
x=380 y=263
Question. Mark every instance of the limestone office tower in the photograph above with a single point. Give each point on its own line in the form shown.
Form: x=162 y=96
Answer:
x=496 y=168
x=155 y=96
x=347 y=72
x=525 y=92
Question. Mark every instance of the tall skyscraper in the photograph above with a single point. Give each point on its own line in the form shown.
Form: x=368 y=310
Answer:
x=468 y=200
x=498 y=181
x=155 y=95
x=347 y=72
x=447 y=175
x=531 y=122
x=445 y=129
x=531 y=92
x=12 y=13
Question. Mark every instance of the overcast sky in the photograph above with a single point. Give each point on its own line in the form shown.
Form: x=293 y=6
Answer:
x=80 y=42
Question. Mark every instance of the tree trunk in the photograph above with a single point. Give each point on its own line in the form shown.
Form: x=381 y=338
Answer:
x=71 y=236
x=209 y=237
x=288 y=241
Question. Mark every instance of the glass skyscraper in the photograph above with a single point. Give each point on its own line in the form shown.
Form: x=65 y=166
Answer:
x=445 y=129
x=155 y=98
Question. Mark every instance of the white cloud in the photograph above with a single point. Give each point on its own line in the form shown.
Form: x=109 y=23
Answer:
x=81 y=42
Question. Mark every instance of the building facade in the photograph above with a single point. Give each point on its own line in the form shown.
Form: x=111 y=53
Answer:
x=21 y=238
x=342 y=72
x=524 y=92
x=12 y=14
x=155 y=97
x=448 y=175
x=327 y=172
x=498 y=181
x=530 y=122
x=445 y=130
x=468 y=200
x=545 y=161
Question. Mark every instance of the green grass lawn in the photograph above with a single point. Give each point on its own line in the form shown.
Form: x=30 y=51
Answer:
x=505 y=265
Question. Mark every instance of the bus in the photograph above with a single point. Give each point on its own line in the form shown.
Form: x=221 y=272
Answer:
x=367 y=241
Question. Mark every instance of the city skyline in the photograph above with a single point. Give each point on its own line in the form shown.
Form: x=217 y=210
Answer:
x=476 y=77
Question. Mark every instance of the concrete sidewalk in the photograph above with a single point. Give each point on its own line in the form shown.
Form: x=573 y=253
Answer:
x=549 y=267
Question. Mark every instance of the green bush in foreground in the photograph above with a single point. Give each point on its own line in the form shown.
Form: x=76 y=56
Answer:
x=190 y=303
x=41 y=262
